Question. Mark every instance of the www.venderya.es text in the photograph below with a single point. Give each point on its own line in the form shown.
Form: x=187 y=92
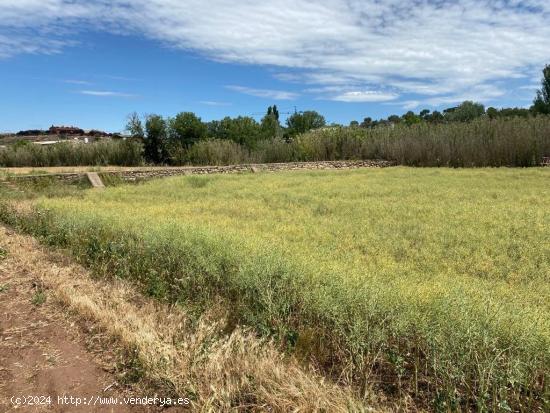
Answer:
x=66 y=400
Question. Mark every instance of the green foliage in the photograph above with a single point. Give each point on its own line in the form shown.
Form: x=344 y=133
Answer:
x=124 y=153
x=411 y=119
x=3 y=253
x=493 y=113
x=303 y=122
x=217 y=152
x=465 y=112
x=38 y=298
x=156 y=142
x=414 y=276
x=270 y=125
x=187 y=129
x=134 y=125
x=483 y=142
x=242 y=130
x=541 y=104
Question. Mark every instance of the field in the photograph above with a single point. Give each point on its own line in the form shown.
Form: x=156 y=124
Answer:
x=429 y=283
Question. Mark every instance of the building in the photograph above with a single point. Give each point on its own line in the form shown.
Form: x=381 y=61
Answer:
x=65 y=130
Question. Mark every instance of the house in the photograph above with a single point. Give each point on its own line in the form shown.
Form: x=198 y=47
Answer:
x=65 y=130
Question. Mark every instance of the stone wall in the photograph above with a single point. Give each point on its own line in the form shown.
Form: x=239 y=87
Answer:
x=139 y=174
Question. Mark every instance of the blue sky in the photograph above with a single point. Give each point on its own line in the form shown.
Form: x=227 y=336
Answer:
x=90 y=63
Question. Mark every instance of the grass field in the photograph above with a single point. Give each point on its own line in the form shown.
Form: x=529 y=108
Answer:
x=432 y=283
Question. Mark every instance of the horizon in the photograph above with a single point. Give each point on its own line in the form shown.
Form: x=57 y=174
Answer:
x=89 y=64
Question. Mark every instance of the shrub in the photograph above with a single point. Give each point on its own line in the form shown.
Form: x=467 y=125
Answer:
x=124 y=153
x=217 y=152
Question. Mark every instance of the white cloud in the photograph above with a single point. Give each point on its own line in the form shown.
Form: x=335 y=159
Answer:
x=411 y=104
x=441 y=50
x=264 y=93
x=76 y=82
x=214 y=103
x=106 y=93
x=365 y=96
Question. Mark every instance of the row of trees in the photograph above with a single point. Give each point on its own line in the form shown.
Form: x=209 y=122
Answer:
x=465 y=112
x=169 y=139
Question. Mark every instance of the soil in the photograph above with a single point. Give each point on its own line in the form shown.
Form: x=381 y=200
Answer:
x=43 y=352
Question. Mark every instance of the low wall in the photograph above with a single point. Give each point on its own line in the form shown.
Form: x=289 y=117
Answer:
x=132 y=175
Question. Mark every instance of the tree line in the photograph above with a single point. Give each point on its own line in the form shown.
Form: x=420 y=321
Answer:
x=168 y=139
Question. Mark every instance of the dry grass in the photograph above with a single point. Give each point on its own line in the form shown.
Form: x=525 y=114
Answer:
x=193 y=358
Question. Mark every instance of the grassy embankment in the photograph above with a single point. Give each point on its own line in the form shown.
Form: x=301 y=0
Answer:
x=432 y=283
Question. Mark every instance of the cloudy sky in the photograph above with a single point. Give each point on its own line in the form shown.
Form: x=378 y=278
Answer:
x=90 y=62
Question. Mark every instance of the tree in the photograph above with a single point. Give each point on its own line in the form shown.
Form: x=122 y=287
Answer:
x=303 y=122
x=155 y=142
x=186 y=129
x=435 y=117
x=410 y=118
x=424 y=114
x=275 y=112
x=134 y=126
x=354 y=124
x=367 y=123
x=243 y=130
x=394 y=119
x=492 y=113
x=541 y=104
x=270 y=123
x=466 y=111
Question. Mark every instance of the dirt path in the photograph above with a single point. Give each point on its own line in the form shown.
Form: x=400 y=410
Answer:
x=43 y=353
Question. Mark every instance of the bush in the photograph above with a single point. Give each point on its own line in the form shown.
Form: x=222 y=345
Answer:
x=217 y=152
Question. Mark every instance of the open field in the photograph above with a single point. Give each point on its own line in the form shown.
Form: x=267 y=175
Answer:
x=430 y=283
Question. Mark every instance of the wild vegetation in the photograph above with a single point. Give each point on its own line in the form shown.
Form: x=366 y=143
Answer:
x=482 y=142
x=24 y=154
x=423 y=283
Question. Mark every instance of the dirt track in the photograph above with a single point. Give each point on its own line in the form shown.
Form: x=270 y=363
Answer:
x=43 y=352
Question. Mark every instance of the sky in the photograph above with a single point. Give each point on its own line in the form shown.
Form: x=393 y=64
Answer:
x=89 y=63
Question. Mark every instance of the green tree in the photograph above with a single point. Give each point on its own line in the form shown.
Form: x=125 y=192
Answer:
x=134 y=125
x=303 y=122
x=435 y=117
x=410 y=118
x=541 y=104
x=394 y=119
x=367 y=123
x=186 y=129
x=492 y=113
x=270 y=123
x=243 y=130
x=465 y=112
x=156 y=140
